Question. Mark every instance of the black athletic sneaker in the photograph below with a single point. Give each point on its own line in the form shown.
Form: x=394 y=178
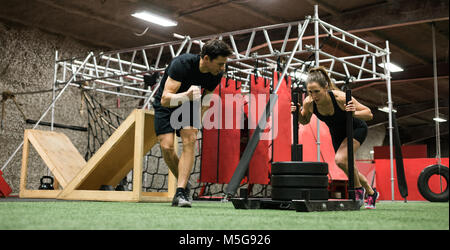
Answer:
x=180 y=200
x=187 y=192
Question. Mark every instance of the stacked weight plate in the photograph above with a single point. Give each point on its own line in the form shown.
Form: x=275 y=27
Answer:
x=293 y=180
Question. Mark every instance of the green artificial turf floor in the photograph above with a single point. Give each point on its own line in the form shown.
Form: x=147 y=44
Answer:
x=214 y=216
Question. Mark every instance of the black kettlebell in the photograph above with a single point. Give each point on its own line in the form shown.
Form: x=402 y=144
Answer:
x=46 y=185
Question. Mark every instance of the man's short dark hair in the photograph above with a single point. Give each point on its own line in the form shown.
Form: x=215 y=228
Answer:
x=215 y=48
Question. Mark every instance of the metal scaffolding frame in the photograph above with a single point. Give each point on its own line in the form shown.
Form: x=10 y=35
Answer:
x=121 y=72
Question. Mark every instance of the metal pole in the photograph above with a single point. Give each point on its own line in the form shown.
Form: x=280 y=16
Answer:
x=388 y=85
x=149 y=99
x=54 y=90
x=316 y=39
x=436 y=96
x=291 y=56
x=436 y=103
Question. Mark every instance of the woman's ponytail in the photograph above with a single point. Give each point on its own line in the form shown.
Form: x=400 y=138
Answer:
x=320 y=75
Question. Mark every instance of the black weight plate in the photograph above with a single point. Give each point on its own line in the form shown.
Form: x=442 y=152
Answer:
x=299 y=168
x=299 y=181
x=299 y=193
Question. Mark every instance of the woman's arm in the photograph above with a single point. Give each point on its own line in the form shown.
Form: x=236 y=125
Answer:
x=359 y=110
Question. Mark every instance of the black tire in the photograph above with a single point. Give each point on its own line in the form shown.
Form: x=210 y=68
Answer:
x=288 y=194
x=299 y=181
x=299 y=168
x=424 y=188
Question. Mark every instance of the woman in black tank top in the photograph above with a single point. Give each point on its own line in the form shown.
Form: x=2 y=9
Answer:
x=328 y=103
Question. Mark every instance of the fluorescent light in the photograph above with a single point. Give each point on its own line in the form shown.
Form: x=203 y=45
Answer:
x=391 y=67
x=300 y=75
x=386 y=109
x=438 y=119
x=149 y=17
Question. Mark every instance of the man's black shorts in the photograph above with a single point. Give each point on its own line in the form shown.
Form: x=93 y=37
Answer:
x=163 y=116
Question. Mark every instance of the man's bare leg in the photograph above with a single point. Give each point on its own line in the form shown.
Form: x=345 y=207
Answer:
x=186 y=162
x=168 y=152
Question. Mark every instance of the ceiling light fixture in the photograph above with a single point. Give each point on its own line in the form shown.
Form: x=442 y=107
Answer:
x=300 y=75
x=149 y=17
x=438 y=119
x=386 y=109
x=391 y=67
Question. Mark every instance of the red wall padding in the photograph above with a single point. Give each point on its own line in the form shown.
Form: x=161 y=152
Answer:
x=282 y=129
x=278 y=129
x=220 y=160
x=209 y=159
x=413 y=167
x=229 y=147
x=408 y=151
x=259 y=166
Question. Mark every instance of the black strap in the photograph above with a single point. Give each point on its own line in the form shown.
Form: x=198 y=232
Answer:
x=255 y=72
x=351 y=167
x=227 y=77
x=401 y=178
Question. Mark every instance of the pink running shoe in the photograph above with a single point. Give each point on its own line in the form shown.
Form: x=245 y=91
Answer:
x=359 y=195
x=372 y=199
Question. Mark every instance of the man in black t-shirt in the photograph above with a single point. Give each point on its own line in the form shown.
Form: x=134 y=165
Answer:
x=179 y=87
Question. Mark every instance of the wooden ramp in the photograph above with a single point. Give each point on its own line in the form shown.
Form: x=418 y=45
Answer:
x=58 y=153
x=122 y=152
